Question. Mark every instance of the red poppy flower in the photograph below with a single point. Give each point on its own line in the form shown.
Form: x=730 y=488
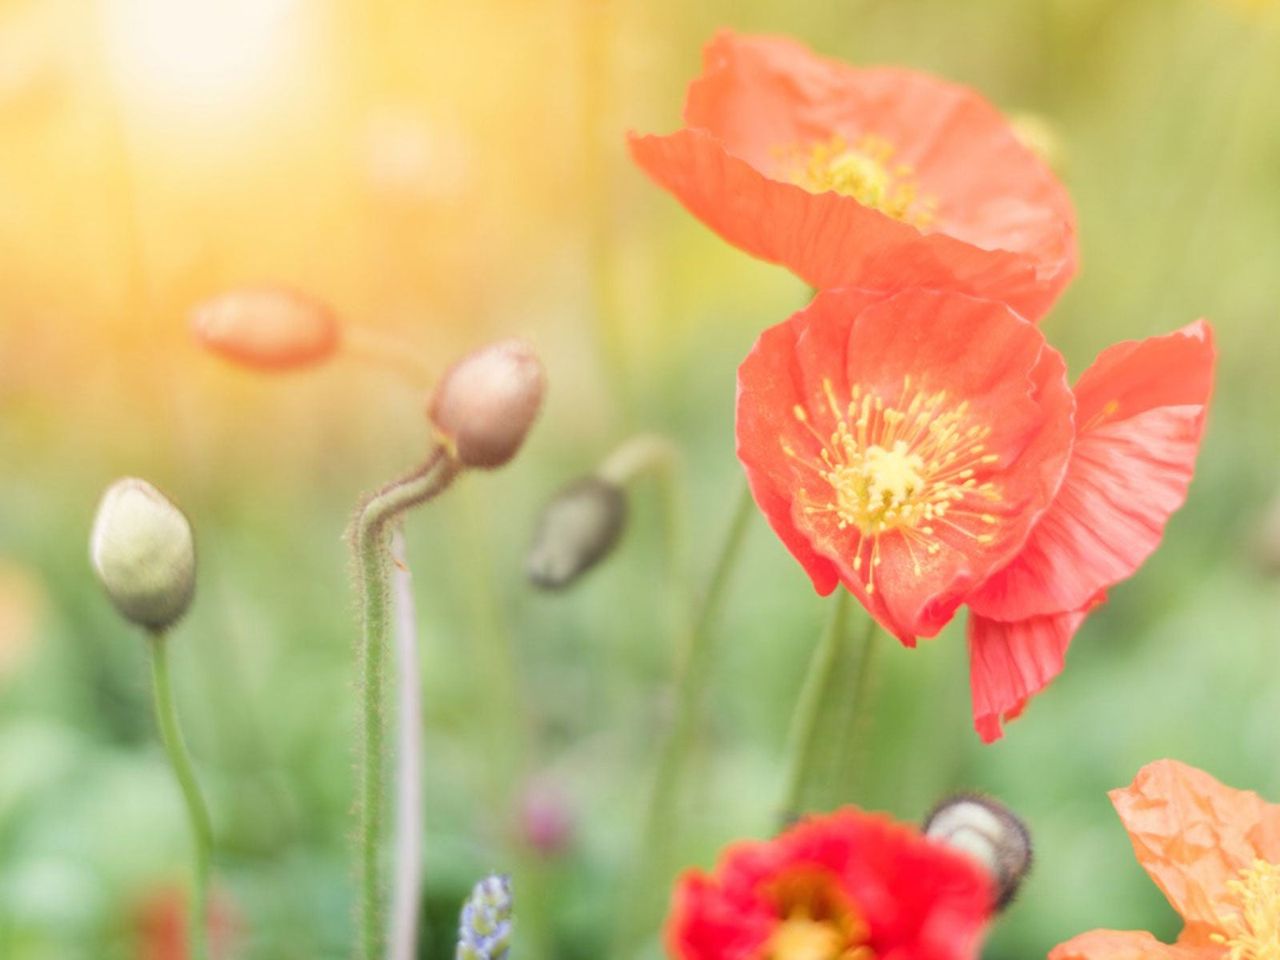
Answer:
x=924 y=449
x=877 y=177
x=1215 y=854
x=845 y=886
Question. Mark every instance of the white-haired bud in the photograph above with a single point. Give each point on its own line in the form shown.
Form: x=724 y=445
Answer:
x=990 y=833
x=486 y=403
x=144 y=554
x=577 y=529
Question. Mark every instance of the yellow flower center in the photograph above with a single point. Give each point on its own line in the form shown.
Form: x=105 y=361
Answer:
x=907 y=466
x=818 y=922
x=1252 y=932
x=865 y=172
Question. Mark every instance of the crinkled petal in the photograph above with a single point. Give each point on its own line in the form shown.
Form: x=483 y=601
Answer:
x=1009 y=663
x=1127 y=945
x=1003 y=226
x=1141 y=410
x=1193 y=835
x=971 y=380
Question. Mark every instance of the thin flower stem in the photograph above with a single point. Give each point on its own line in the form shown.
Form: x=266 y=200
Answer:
x=816 y=694
x=386 y=353
x=804 y=722
x=693 y=672
x=370 y=541
x=409 y=828
x=197 y=812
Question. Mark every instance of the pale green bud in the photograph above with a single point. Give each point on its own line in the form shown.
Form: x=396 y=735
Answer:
x=144 y=554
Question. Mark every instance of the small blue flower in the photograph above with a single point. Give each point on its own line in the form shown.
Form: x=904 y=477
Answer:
x=484 y=930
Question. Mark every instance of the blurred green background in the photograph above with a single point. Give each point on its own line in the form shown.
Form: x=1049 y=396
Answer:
x=449 y=173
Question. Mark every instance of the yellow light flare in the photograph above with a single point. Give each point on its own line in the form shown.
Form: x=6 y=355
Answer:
x=185 y=54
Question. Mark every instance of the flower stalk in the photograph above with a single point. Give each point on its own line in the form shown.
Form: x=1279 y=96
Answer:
x=692 y=674
x=197 y=811
x=370 y=542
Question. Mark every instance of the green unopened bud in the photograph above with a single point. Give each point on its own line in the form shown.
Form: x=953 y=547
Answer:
x=576 y=530
x=990 y=833
x=144 y=554
x=487 y=401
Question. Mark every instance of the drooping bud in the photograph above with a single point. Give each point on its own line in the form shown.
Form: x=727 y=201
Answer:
x=144 y=554
x=484 y=930
x=266 y=327
x=487 y=401
x=988 y=831
x=577 y=529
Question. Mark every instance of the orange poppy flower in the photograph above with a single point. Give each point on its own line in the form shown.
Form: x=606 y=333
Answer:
x=877 y=177
x=924 y=449
x=1214 y=852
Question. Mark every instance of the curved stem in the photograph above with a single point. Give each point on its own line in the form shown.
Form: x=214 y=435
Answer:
x=804 y=722
x=197 y=812
x=406 y=888
x=370 y=539
x=693 y=671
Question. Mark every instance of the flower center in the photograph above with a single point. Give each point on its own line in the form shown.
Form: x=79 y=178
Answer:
x=865 y=172
x=818 y=922
x=1252 y=932
x=908 y=466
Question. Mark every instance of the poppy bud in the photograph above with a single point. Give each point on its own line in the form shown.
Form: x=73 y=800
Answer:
x=270 y=328
x=484 y=931
x=577 y=529
x=486 y=402
x=989 y=832
x=144 y=554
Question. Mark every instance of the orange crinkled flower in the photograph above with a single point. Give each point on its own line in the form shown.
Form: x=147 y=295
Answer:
x=1215 y=854
x=924 y=449
x=844 y=886
x=878 y=177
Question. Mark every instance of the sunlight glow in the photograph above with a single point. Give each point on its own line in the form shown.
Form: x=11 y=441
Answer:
x=195 y=53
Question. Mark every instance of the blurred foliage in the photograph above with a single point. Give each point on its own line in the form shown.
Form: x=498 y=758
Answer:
x=445 y=173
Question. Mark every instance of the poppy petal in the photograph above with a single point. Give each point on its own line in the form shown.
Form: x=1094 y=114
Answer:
x=1009 y=663
x=1142 y=410
x=1127 y=945
x=1002 y=226
x=1193 y=835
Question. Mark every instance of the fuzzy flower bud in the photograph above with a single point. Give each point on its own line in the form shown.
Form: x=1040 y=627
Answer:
x=989 y=832
x=487 y=401
x=484 y=930
x=270 y=328
x=577 y=529
x=144 y=554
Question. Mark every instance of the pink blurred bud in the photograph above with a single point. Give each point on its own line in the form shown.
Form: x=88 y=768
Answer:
x=546 y=820
x=486 y=403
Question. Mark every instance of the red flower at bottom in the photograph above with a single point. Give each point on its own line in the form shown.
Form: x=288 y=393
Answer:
x=846 y=886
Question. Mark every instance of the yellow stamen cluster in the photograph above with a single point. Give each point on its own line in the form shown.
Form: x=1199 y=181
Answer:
x=817 y=925
x=864 y=171
x=1252 y=932
x=908 y=466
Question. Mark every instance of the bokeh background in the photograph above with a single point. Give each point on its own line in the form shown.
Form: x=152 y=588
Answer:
x=447 y=173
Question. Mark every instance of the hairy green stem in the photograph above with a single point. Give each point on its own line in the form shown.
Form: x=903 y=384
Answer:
x=693 y=672
x=371 y=542
x=197 y=812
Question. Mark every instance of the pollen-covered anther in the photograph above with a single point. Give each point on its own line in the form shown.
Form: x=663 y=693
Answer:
x=911 y=466
x=865 y=171
x=1252 y=930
